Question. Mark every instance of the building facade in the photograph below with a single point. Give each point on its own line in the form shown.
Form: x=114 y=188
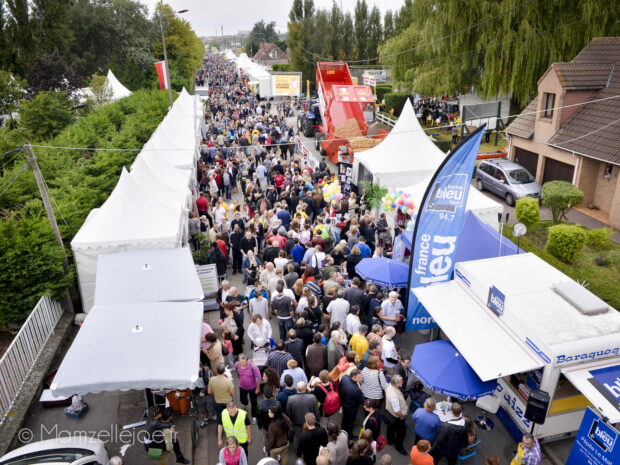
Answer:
x=571 y=130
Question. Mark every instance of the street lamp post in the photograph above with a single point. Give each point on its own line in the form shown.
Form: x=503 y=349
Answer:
x=163 y=43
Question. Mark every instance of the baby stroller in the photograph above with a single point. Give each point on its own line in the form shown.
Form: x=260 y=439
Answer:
x=385 y=241
x=262 y=349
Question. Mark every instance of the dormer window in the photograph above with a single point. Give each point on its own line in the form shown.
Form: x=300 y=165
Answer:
x=549 y=101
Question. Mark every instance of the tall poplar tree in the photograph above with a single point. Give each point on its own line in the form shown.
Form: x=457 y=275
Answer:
x=361 y=29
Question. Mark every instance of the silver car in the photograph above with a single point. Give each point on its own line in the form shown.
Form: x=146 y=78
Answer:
x=507 y=179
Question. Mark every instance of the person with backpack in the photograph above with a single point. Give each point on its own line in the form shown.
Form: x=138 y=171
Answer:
x=326 y=394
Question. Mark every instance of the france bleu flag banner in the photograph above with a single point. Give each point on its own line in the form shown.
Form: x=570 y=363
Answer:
x=438 y=226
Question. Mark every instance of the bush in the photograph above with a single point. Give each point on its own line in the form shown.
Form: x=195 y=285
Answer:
x=444 y=145
x=528 y=211
x=560 y=197
x=281 y=67
x=381 y=90
x=47 y=114
x=395 y=100
x=599 y=239
x=565 y=241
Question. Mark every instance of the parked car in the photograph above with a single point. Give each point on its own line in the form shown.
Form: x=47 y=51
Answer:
x=507 y=179
x=76 y=450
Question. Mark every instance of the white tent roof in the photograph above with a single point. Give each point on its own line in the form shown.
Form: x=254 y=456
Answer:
x=158 y=344
x=163 y=168
x=149 y=275
x=406 y=156
x=118 y=90
x=130 y=219
x=160 y=188
x=483 y=207
x=229 y=54
x=130 y=216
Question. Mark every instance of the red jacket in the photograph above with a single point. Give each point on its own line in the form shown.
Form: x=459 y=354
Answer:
x=202 y=204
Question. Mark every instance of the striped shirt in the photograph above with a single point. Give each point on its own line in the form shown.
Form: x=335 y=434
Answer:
x=278 y=360
x=373 y=384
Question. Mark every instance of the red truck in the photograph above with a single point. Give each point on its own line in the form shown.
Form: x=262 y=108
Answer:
x=341 y=105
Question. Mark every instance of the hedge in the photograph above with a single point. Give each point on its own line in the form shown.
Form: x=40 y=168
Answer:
x=381 y=90
x=395 y=100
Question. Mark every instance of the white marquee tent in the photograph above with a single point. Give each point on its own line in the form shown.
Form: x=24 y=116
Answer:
x=148 y=275
x=119 y=91
x=406 y=156
x=129 y=219
x=133 y=334
x=163 y=168
x=160 y=187
x=229 y=54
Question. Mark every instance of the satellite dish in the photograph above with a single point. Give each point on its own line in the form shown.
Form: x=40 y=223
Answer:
x=519 y=230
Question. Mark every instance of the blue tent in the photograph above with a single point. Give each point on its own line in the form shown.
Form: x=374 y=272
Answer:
x=478 y=240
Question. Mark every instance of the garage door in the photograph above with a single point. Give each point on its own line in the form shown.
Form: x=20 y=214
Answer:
x=527 y=159
x=557 y=171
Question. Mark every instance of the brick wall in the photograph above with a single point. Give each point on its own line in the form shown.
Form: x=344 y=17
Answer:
x=605 y=188
x=587 y=178
x=614 y=211
x=572 y=97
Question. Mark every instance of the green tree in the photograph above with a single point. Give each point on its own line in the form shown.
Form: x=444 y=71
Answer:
x=20 y=46
x=348 y=37
x=361 y=29
x=336 y=20
x=501 y=56
x=375 y=33
x=101 y=90
x=50 y=27
x=12 y=90
x=388 y=25
x=301 y=39
x=560 y=197
x=31 y=262
x=47 y=114
x=261 y=32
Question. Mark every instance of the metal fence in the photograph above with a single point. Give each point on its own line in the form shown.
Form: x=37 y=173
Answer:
x=386 y=120
x=20 y=357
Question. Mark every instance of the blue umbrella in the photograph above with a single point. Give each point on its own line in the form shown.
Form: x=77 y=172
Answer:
x=442 y=368
x=383 y=271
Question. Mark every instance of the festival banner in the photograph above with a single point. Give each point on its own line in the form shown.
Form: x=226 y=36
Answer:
x=438 y=226
x=160 y=67
x=286 y=85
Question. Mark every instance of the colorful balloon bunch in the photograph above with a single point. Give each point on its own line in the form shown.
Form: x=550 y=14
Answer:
x=331 y=192
x=400 y=199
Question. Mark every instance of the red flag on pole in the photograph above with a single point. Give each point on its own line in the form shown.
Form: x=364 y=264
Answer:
x=160 y=66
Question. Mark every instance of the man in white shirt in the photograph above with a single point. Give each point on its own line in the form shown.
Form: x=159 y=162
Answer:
x=338 y=308
x=259 y=306
x=267 y=274
x=391 y=309
x=388 y=351
x=285 y=291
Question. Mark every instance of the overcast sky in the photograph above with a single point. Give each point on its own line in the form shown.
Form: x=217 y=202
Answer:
x=206 y=16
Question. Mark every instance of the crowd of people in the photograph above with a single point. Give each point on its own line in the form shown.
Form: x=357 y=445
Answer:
x=330 y=385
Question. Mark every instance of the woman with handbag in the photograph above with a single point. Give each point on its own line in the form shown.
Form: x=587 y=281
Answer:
x=372 y=423
x=373 y=380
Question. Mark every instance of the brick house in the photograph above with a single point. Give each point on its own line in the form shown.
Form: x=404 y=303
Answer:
x=579 y=143
x=270 y=54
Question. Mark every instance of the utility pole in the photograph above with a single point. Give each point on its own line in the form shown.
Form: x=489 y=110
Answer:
x=32 y=160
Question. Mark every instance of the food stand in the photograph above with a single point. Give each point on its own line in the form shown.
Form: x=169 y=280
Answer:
x=521 y=321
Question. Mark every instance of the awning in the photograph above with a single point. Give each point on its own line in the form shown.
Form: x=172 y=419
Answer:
x=596 y=380
x=489 y=347
x=137 y=346
x=151 y=275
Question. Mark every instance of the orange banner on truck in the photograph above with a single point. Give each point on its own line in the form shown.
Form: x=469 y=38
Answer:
x=286 y=85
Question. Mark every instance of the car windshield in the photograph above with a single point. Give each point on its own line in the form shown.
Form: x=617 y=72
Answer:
x=520 y=176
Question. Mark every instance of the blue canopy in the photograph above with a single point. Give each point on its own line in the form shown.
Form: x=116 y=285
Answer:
x=442 y=368
x=383 y=271
x=478 y=240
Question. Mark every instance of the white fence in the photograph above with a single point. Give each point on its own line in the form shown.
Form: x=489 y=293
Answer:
x=20 y=357
x=385 y=120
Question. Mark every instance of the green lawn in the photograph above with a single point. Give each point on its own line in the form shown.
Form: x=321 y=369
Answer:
x=604 y=281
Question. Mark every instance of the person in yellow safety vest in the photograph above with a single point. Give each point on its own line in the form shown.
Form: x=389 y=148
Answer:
x=528 y=451
x=235 y=423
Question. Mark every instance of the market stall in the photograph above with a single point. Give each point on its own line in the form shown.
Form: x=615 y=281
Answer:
x=520 y=321
x=158 y=343
x=150 y=275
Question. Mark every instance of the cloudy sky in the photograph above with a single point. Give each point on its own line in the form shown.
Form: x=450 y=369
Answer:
x=206 y=16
